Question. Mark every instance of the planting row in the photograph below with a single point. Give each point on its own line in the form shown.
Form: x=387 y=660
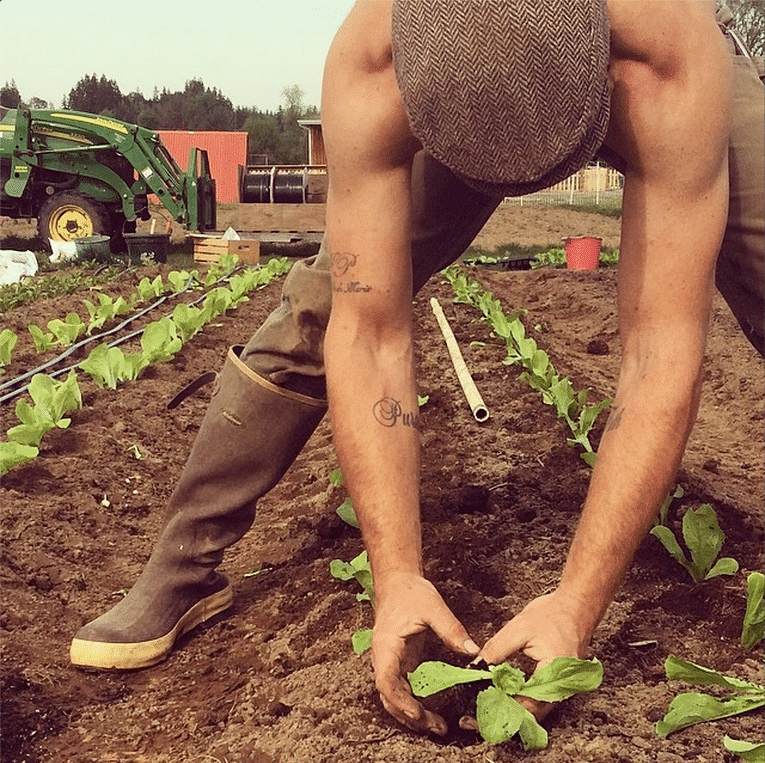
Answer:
x=109 y=366
x=498 y=715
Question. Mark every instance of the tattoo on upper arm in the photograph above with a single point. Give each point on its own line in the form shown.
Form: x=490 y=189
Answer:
x=389 y=412
x=342 y=263
x=614 y=419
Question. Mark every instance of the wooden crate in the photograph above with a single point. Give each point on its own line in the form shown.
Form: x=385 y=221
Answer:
x=210 y=249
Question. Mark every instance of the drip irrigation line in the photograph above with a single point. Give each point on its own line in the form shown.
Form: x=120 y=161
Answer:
x=62 y=356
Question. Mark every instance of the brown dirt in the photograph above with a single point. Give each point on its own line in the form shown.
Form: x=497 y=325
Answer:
x=275 y=681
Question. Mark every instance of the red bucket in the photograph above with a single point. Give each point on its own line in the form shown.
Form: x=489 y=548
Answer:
x=582 y=253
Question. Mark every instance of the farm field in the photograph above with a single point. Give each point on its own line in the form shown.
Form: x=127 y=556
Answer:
x=275 y=680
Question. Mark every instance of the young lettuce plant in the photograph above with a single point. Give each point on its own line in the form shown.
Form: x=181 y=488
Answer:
x=108 y=366
x=8 y=341
x=43 y=340
x=106 y=310
x=753 y=629
x=499 y=715
x=52 y=400
x=357 y=569
x=704 y=538
x=689 y=708
x=67 y=331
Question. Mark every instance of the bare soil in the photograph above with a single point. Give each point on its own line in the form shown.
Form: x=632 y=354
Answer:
x=275 y=680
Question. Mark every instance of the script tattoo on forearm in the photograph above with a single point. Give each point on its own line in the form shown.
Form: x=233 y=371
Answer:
x=342 y=263
x=614 y=420
x=389 y=412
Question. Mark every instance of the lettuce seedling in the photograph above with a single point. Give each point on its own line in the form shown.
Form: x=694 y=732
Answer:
x=160 y=341
x=500 y=716
x=43 y=340
x=189 y=320
x=108 y=366
x=106 y=310
x=52 y=400
x=147 y=289
x=753 y=630
x=67 y=331
x=8 y=341
x=692 y=707
x=704 y=538
x=357 y=569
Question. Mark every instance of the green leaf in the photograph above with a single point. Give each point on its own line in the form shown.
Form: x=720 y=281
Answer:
x=499 y=716
x=347 y=513
x=160 y=341
x=703 y=536
x=533 y=736
x=751 y=752
x=724 y=566
x=361 y=640
x=13 y=454
x=684 y=670
x=692 y=707
x=336 y=478
x=508 y=678
x=562 y=678
x=668 y=540
x=432 y=677
x=103 y=365
x=753 y=629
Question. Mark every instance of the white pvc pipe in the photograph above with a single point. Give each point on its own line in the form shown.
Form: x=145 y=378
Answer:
x=473 y=396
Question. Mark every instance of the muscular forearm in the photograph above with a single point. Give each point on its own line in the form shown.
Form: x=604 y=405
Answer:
x=374 y=415
x=638 y=458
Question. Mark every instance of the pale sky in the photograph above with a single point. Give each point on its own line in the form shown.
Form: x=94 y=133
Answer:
x=250 y=50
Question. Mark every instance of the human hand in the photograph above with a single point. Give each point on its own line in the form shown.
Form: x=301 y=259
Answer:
x=408 y=606
x=553 y=625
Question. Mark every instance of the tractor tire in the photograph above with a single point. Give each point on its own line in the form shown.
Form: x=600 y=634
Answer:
x=66 y=216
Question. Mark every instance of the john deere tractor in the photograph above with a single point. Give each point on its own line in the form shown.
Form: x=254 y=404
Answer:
x=83 y=175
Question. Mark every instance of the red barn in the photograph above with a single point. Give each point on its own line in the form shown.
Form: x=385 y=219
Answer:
x=225 y=150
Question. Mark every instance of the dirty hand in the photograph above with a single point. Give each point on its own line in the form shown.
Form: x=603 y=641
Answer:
x=553 y=625
x=408 y=606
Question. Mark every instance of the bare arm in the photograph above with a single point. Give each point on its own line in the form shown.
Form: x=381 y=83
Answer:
x=368 y=345
x=670 y=122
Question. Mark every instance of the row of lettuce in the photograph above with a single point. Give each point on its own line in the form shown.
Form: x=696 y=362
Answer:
x=499 y=716
x=107 y=364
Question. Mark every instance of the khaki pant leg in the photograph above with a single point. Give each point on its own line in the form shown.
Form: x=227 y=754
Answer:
x=288 y=349
x=741 y=263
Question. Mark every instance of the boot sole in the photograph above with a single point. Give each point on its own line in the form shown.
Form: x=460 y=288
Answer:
x=104 y=655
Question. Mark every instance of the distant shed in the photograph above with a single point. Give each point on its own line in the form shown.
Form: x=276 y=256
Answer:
x=225 y=150
x=316 y=153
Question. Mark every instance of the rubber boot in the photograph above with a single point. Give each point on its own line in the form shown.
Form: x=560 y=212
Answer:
x=234 y=461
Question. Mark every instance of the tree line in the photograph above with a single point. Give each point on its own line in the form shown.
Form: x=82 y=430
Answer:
x=274 y=137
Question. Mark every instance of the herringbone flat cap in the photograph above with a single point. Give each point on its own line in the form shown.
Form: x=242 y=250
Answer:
x=512 y=95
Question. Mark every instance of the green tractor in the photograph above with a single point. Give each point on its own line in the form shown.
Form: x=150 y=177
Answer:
x=85 y=174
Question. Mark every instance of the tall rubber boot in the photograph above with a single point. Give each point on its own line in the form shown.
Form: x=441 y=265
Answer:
x=234 y=461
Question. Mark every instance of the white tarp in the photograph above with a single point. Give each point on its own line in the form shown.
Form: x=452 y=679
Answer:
x=15 y=265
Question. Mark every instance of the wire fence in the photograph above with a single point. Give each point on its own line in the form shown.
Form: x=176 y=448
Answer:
x=611 y=199
x=596 y=185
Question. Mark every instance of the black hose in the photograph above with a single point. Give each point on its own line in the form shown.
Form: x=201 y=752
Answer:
x=62 y=356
